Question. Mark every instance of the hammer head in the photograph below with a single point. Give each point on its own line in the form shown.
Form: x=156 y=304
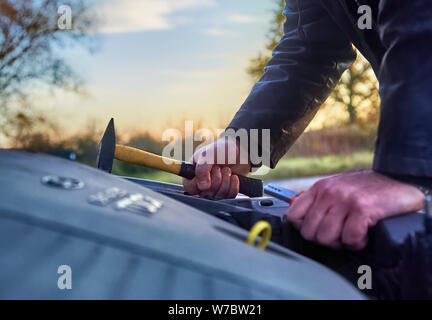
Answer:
x=107 y=146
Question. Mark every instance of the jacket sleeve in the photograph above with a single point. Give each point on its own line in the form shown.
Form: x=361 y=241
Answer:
x=404 y=144
x=305 y=67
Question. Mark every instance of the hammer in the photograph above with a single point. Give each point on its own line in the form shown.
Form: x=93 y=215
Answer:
x=109 y=150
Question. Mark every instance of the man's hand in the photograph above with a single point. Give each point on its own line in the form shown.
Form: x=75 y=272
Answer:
x=216 y=179
x=338 y=211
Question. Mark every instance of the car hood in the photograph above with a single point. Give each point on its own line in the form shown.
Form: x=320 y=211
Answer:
x=124 y=241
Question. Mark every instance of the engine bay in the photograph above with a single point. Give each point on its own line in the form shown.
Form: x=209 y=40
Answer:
x=383 y=250
x=150 y=240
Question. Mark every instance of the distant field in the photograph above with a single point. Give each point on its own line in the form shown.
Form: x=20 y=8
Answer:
x=294 y=167
x=319 y=166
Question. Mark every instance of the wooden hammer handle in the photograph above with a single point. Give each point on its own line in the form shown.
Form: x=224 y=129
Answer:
x=146 y=159
x=248 y=186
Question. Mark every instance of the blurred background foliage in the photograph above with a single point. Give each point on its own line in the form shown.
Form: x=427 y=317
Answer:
x=29 y=61
x=341 y=136
x=355 y=100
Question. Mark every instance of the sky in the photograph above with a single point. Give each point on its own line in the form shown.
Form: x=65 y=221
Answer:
x=163 y=61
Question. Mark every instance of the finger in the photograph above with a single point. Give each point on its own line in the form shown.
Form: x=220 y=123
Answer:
x=297 y=223
x=355 y=228
x=227 y=151
x=202 y=174
x=297 y=211
x=312 y=219
x=224 y=187
x=330 y=229
x=216 y=179
x=234 y=186
x=190 y=186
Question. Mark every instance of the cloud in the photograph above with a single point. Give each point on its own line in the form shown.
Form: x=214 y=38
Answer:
x=218 y=32
x=119 y=16
x=242 y=18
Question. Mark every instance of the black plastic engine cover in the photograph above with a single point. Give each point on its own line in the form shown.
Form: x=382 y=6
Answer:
x=383 y=252
x=122 y=240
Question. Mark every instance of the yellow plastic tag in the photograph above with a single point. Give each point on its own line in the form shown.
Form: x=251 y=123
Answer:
x=263 y=229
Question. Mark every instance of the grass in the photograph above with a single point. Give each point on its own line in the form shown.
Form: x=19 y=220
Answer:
x=290 y=167
x=317 y=166
x=161 y=176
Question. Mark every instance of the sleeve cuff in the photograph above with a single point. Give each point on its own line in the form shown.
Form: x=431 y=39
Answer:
x=405 y=169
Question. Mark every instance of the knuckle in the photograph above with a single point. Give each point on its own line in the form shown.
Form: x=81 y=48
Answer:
x=352 y=237
x=216 y=174
x=316 y=187
x=305 y=234
x=329 y=191
x=321 y=184
x=358 y=205
x=226 y=171
x=333 y=190
x=323 y=238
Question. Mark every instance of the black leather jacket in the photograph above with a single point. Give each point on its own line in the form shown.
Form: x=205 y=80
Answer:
x=314 y=52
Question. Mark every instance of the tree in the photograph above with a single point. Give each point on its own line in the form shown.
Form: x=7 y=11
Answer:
x=256 y=68
x=357 y=90
x=30 y=59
